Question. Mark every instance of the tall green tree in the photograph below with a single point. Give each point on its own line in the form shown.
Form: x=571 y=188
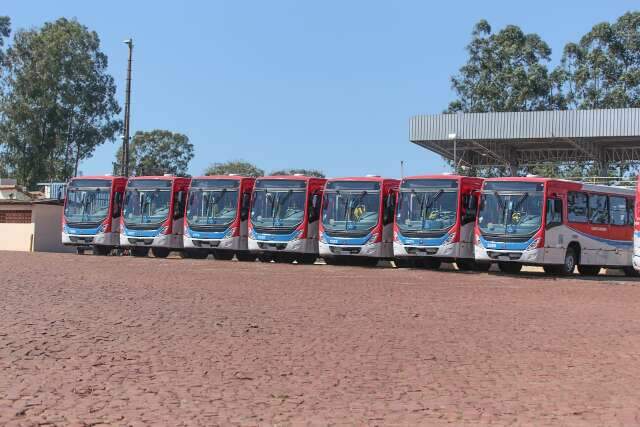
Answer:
x=306 y=172
x=602 y=70
x=59 y=103
x=5 y=32
x=239 y=167
x=157 y=152
x=505 y=71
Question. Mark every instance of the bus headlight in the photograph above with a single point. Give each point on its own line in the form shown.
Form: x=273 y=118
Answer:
x=373 y=238
x=323 y=238
x=231 y=231
x=187 y=232
x=163 y=230
x=533 y=245
x=296 y=235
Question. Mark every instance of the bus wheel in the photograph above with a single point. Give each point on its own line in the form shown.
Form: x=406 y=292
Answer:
x=430 y=263
x=79 y=250
x=550 y=269
x=139 y=252
x=307 y=259
x=481 y=266
x=404 y=263
x=245 y=256
x=464 y=264
x=631 y=272
x=589 y=270
x=569 y=263
x=194 y=253
x=265 y=258
x=101 y=250
x=160 y=252
x=365 y=261
x=510 y=267
x=283 y=258
x=223 y=255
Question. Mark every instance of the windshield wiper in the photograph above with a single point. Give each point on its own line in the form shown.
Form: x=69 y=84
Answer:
x=211 y=201
x=275 y=207
x=521 y=201
x=348 y=208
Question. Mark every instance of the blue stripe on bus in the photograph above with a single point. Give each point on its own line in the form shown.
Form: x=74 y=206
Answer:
x=427 y=241
x=81 y=231
x=141 y=233
x=206 y=234
x=346 y=240
x=505 y=246
x=274 y=237
x=617 y=243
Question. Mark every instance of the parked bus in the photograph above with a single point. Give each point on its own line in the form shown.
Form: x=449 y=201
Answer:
x=216 y=219
x=152 y=216
x=91 y=216
x=555 y=224
x=357 y=220
x=283 y=225
x=435 y=221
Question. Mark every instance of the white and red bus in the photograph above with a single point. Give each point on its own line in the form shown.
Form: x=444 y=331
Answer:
x=152 y=216
x=357 y=220
x=283 y=225
x=91 y=217
x=216 y=220
x=555 y=224
x=435 y=221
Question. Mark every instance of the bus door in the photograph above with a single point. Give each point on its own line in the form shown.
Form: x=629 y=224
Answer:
x=555 y=236
x=178 y=207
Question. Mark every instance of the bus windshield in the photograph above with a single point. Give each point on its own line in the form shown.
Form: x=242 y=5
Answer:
x=427 y=205
x=87 y=201
x=514 y=210
x=278 y=203
x=209 y=206
x=147 y=202
x=351 y=206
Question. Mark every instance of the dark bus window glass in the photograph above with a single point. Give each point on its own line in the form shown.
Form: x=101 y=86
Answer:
x=577 y=207
x=598 y=211
x=618 y=210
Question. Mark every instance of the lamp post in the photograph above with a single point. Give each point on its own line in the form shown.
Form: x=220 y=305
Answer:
x=453 y=137
x=127 y=113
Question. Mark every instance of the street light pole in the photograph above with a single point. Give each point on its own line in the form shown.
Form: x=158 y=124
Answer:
x=453 y=137
x=127 y=113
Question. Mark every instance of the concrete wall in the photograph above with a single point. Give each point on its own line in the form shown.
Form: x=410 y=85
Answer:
x=47 y=220
x=16 y=237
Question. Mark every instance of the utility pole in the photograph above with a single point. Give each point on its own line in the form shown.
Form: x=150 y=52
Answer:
x=127 y=114
x=401 y=169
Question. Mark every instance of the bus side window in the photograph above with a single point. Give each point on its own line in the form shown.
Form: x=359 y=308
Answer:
x=598 y=209
x=117 y=205
x=618 y=210
x=470 y=206
x=178 y=205
x=554 y=213
x=389 y=208
x=577 y=207
x=631 y=203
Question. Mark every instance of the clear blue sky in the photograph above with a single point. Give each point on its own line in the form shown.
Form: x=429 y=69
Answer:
x=327 y=84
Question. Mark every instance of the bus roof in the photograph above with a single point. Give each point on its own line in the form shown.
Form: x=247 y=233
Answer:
x=364 y=178
x=104 y=177
x=160 y=178
x=291 y=177
x=236 y=177
x=443 y=176
x=572 y=185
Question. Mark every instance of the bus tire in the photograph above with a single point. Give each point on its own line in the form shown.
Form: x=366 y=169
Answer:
x=570 y=261
x=589 y=270
x=630 y=272
x=335 y=260
x=510 y=267
x=194 y=254
x=429 y=263
x=139 y=252
x=550 y=269
x=101 y=250
x=223 y=255
x=79 y=250
x=404 y=263
x=284 y=258
x=265 y=257
x=307 y=259
x=246 y=256
x=160 y=252
x=464 y=264
x=365 y=261
x=481 y=266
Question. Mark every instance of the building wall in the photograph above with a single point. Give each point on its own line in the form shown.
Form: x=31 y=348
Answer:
x=48 y=229
x=16 y=237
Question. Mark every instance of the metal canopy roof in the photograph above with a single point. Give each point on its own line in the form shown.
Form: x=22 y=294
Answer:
x=529 y=138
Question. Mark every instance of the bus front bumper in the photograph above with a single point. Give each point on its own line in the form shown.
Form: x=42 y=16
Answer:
x=295 y=245
x=172 y=241
x=532 y=256
x=227 y=243
x=451 y=250
x=373 y=250
x=99 y=239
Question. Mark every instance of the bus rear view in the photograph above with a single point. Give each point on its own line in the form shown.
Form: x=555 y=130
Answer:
x=152 y=217
x=92 y=209
x=435 y=221
x=217 y=216
x=357 y=220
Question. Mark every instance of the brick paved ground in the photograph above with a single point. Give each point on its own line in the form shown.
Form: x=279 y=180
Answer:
x=90 y=340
